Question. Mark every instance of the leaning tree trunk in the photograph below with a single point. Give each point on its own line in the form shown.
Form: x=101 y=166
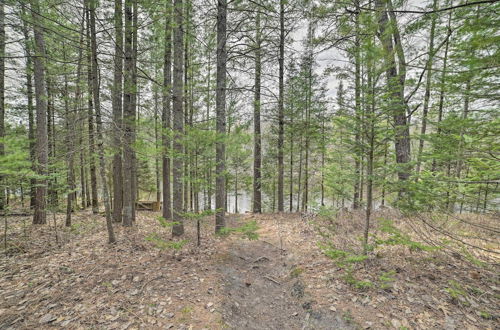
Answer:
x=220 y=147
x=100 y=139
x=42 y=141
x=178 y=118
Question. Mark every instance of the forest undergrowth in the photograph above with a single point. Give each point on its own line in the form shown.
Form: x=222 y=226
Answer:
x=407 y=280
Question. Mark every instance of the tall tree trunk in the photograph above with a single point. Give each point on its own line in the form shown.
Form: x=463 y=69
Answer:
x=117 y=114
x=427 y=94
x=178 y=118
x=100 y=139
x=70 y=196
x=31 y=115
x=208 y=202
x=186 y=176
x=395 y=87
x=2 y=98
x=92 y=165
x=167 y=82
x=40 y=213
x=357 y=105
x=135 y=102
x=128 y=121
x=257 y=159
x=442 y=88
x=370 y=154
x=309 y=92
x=290 y=193
x=220 y=146
x=281 y=116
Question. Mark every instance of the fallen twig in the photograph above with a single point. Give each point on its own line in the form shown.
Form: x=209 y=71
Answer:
x=267 y=277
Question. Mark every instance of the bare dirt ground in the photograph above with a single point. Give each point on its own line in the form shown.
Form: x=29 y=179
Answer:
x=280 y=281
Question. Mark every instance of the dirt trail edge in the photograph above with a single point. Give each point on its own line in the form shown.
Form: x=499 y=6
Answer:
x=262 y=291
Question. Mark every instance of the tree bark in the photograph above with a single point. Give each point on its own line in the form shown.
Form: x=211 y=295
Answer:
x=167 y=82
x=178 y=120
x=2 y=99
x=257 y=160
x=427 y=94
x=281 y=116
x=395 y=86
x=91 y=136
x=40 y=213
x=357 y=114
x=220 y=146
x=70 y=196
x=31 y=115
x=117 y=114
x=100 y=139
x=128 y=121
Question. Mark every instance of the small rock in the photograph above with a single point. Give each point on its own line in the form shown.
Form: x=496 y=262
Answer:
x=136 y=279
x=210 y=304
x=380 y=315
x=396 y=323
x=134 y=292
x=170 y=315
x=47 y=318
x=333 y=309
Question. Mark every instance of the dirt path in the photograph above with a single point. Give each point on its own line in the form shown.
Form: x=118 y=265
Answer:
x=263 y=292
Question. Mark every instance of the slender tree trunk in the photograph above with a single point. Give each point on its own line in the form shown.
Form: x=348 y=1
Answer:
x=370 y=155
x=134 y=103
x=128 y=120
x=100 y=139
x=31 y=116
x=92 y=165
x=309 y=92
x=167 y=85
x=178 y=118
x=357 y=100
x=157 y=146
x=290 y=193
x=2 y=99
x=442 y=88
x=220 y=147
x=40 y=213
x=281 y=116
x=186 y=176
x=117 y=113
x=427 y=94
x=70 y=196
x=208 y=203
x=257 y=162
x=395 y=87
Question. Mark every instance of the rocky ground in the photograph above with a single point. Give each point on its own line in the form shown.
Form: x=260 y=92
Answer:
x=57 y=277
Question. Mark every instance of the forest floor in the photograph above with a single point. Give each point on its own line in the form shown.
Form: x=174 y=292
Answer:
x=282 y=280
